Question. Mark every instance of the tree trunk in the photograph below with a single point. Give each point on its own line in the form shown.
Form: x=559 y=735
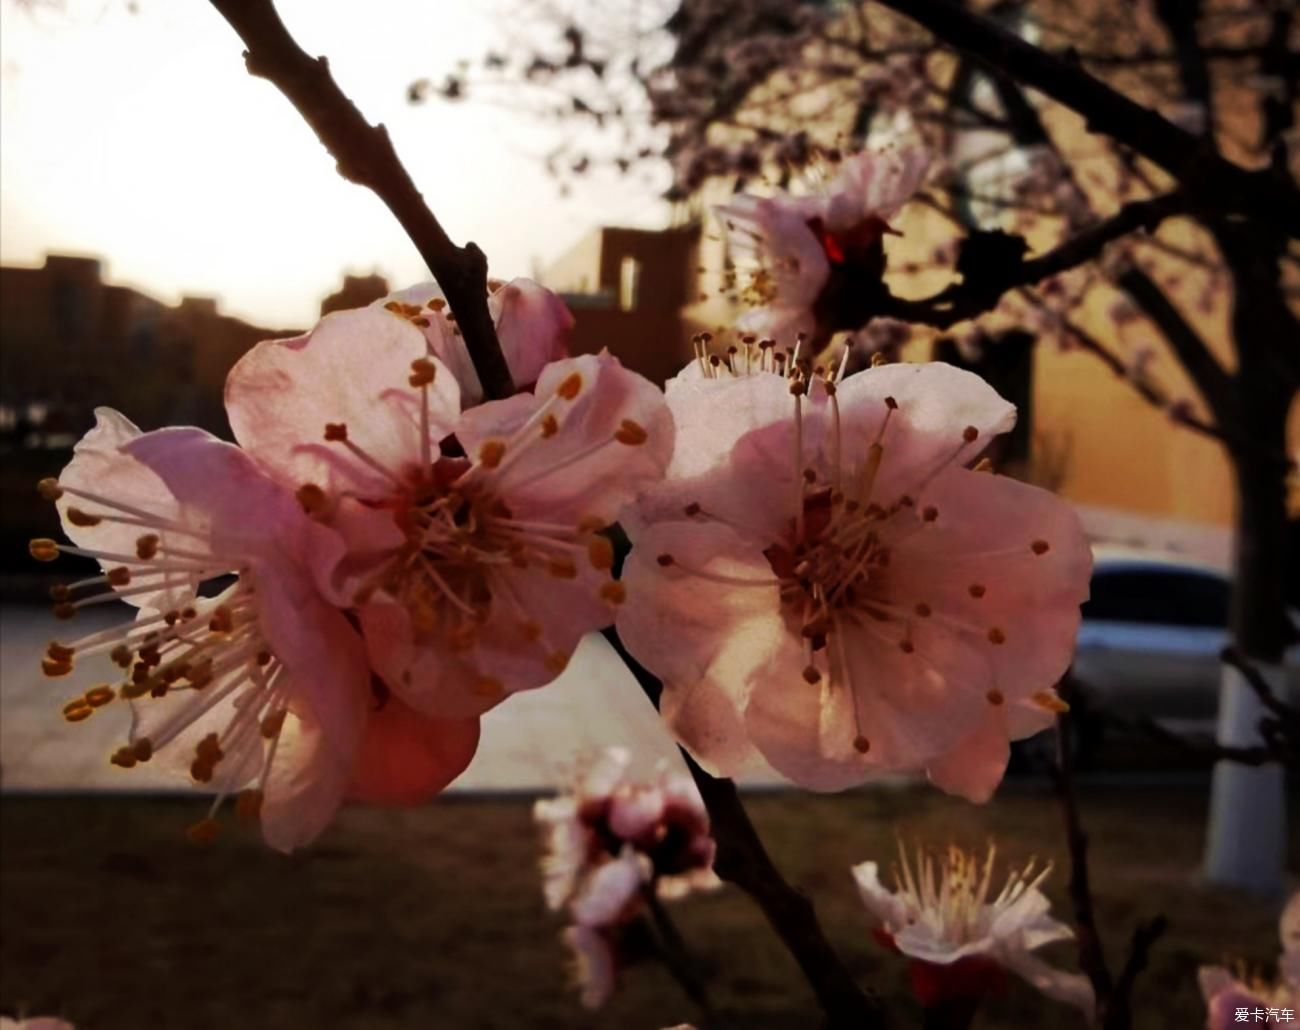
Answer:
x=1246 y=844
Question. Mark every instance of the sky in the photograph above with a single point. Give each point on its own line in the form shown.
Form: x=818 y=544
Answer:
x=141 y=139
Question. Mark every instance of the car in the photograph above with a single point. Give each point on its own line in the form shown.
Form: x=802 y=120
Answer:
x=1150 y=640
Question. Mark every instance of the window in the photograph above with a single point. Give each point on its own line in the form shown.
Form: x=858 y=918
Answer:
x=629 y=283
x=1163 y=597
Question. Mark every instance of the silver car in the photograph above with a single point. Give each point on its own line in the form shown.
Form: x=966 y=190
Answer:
x=1150 y=641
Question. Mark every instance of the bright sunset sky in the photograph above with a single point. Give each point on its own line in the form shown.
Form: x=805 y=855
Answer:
x=140 y=138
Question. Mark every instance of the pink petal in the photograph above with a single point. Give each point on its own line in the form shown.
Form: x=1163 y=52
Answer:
x=101 y=466
x=307 y=784
x=712 y=417
x=533 y=326
x=706 y=640
x=406 y=758
x=610 y=891
x=1071 y=988
x=594 y=959
x=583 y=468
x=636 y=811
x=936 y=403
x=787 y=247
x=974 y=767
x=892 y=913
x=352 y=369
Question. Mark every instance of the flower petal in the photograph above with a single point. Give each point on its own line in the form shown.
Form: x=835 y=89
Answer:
x=307 y=783
x=533 y=326
x=406 y=758
x=1071 y=988
x=611 y=439
x=100 y=465
x=352 y=369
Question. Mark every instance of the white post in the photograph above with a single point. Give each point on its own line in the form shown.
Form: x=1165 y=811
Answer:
x=1246 y=846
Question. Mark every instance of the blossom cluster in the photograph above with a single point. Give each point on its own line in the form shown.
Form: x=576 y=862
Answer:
x=822 y=572
x=611 y=843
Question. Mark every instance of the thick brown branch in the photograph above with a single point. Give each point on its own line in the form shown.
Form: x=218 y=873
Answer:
x=968 y=299
x=1196 y=358
x=1217 y=181
x=743 y=860
x=365 y=155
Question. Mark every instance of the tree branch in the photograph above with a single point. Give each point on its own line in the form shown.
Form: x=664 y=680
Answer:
x=365 y=155
x=1225 y=185
x=1119 y=1014
x=973 y=297
x=1210 y=378
x=743 y=860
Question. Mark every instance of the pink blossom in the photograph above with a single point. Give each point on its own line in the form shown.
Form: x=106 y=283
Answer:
x=262 y=688
x=608 y=812
x=814 y=253
x=608 y=898
x=532 y=326
x=961 y=938
x=473 y=557
x=1226 y=994
x=822 y=580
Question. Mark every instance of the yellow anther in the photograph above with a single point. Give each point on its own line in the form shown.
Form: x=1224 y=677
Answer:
x=861 y=744
x=201 y=770
x=878 y=359
x=142 y=749
x=906 y=646
x=811 y=674
x=336 y=432
x=43 y=549
x=556 y=662
x=222 y=621
x=272 y=723
x=550 y=426
x=591 y=524
x=123 y=758
x=970 y=434
x=562 y=568
x=996 y=636
x=614 y=592
x=99 y=696
x=146 y=547
x=976 y=590
x=532 y=630
x=263 y=658
x=495 y=284
x=929 y=513
x=665 y=560
x=209 y=748
x=49 y=489
x=76 y=709
x=487 y=687
x=248 y=805
x=121 y=656
x=423 y=372
x=600 y=552
x=570 y=386
x=1050 y=701
x=119 y=577
x=311 y=498
x=135 y=689
x=80 y=518
x=984 y=465
x=891 y=404
x=692 y=509
x=1040 y=547
x=491 y=453
x=437 y=304
x=631 y=433
x=205 y=831
x=65 y=611
x=60 y=652
x=995 y=697
x=60 y=592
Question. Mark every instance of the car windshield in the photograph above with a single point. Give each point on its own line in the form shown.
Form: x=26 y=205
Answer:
x=1169 y=597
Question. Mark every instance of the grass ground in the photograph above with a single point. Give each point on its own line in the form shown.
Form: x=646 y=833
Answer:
x=433 y=918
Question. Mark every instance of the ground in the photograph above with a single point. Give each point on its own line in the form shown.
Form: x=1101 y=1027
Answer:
x=433 y=918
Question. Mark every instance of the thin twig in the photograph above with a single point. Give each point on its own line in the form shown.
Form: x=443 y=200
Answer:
x=676 y=957
x=1119 y=1013
x=365 y=155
